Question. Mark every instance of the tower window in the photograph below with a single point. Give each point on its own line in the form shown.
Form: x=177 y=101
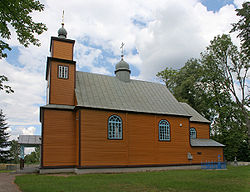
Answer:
x=63 y=72
x=164 y=130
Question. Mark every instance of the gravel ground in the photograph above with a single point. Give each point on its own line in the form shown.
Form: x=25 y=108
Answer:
x=7 y=183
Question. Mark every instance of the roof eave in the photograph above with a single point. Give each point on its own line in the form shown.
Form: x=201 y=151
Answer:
x=132 y=111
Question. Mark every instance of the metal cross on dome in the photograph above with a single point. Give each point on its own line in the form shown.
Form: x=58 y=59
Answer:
x=63 y=18
x=122 y=49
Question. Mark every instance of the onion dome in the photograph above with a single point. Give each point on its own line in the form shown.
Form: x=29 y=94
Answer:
x=122 y=70
x=122 y=65
x=62 y=33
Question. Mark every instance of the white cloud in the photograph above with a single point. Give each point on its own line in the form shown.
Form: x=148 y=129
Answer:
x=15 y=132
x=239 y=3
x=21 y=107
x=179 y=32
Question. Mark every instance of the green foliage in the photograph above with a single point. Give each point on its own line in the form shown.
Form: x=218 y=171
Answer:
x=16 y=14
x=242 y=27
x=4 y=87
x=227 y=74
x=14 y=151
x=185 y=85
x=169 y=77
x=33 y=157
x=210 y=85
x=231 y=180
x=4 y=136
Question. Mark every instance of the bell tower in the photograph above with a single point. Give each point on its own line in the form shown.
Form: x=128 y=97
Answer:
x=61 y=70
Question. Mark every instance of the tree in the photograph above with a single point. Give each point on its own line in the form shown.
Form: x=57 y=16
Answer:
x=185 y=85
x=14 y=151
x=16 y=14
x=4 y=87
x=210 y=86
x=4 y=136
x=243 y=28
x=33 y=157
x=228 y=69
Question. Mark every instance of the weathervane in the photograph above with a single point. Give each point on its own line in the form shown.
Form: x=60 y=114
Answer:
x=122 y=50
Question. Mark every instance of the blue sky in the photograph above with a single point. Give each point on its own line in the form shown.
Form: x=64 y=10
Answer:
x=215 y=5
x=157 y=34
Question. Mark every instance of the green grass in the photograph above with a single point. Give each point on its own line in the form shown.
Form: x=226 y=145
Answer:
x=6 y=171
x=234 y=179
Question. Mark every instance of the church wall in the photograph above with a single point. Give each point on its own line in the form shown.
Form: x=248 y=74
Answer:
x=140 y=144
x=202 y=129
x=59 y=133
x=96 y=149
x=174 y=151
x=203 y=154
x=62 y=90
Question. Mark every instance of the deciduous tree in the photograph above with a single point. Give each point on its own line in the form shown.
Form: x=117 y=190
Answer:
x=243 y=29
x=16 y=15
x=3 y=86
x=216 y=86
x=33 y=157
x=14 y=151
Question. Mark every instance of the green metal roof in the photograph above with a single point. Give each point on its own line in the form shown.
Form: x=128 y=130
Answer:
x=196 y=117
x=205 y=143
x=108 y=92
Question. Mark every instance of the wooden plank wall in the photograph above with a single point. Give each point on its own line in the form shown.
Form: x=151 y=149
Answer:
x=59 y=138
x=62 y=50
x=62 y=90
x=140 y=144
x=202 y=129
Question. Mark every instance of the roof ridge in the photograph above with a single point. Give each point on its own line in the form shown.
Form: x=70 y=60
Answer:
x=158 y=83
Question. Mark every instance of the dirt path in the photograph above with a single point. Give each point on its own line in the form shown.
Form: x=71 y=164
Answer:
x=7 y=183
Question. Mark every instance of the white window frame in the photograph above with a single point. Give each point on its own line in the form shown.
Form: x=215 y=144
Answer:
x=164 y=130
x=63 y=72
x=115 y=127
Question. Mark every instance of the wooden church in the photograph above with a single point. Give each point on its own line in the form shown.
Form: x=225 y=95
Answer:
x=92 y=120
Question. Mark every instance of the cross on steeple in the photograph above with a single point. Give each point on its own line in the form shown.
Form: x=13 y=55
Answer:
x=122 y=50
x=63 y=18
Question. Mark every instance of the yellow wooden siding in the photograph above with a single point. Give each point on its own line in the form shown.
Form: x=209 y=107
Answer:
x=140 y=144
x=59 y=133
x=62 y=50
x=62 y=91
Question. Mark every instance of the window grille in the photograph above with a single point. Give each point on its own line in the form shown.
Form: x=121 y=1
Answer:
x=114 y=127
x=192 y=133
x=164 y=130
x=63 y=72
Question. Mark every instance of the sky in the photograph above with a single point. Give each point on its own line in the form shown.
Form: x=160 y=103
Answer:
x=157 y=34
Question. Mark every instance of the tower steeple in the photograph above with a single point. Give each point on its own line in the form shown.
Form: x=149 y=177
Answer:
x=61 y=70
x=62 y=33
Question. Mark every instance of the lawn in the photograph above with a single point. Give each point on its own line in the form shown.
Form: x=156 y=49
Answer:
x=6 y=171
x=233 y=179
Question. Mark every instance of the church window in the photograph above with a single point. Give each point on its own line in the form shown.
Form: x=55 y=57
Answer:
x=192 y=133
x=164 y=130
x=63 y=72
x=114 y=127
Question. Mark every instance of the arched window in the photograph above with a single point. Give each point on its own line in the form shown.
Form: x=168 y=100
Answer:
x=164 y=130
x=114 y=127
x=192 y=133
